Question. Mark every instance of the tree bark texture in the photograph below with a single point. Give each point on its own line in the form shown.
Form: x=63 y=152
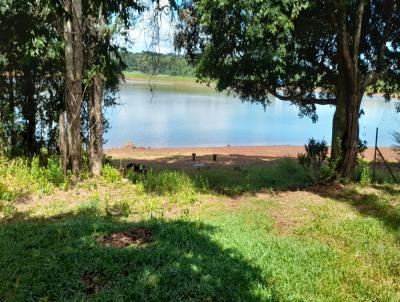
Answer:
x=63 y=143
x=349 y=91
x=29 y=111
x=73 y=68
x=96 y=126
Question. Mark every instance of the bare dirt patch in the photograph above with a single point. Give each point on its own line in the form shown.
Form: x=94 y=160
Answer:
x=137 y=236
x=234 y=155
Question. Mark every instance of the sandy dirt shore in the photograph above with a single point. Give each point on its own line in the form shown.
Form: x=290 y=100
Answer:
x=233 y=155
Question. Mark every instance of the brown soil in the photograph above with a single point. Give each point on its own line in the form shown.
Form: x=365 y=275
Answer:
x=137 y=236
x=226 y=156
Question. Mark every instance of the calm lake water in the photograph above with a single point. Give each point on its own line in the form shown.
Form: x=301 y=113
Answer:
x=176 y=117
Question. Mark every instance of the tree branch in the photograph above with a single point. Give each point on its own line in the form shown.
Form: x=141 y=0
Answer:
x=302 y=100
x=343 y=43
x=357 y=32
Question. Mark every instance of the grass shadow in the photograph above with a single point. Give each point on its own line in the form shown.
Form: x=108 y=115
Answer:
x=388 y=189
x=56 y=259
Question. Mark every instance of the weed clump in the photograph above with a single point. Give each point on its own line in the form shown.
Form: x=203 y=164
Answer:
x=315 y=161
x=22 y=176
x=110 y=174
x=177 y=186
x=363 y=173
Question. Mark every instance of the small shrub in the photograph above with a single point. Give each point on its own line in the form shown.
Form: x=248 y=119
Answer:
x=363 y=173
x=167 y=182
x=177 y=186
x=202 y=183
x=54 y=173
x=382 y=176
x=42 y=175
x=20 y=177
x=110 y=174
x=315 y=160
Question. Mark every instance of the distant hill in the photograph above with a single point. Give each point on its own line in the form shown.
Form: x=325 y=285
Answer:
x=154 y=63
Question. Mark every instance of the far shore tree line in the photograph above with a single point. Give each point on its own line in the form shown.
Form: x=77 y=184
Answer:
x=60 y=66
x=155 y=63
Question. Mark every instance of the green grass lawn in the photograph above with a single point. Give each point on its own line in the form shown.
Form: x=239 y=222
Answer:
x=215 y=236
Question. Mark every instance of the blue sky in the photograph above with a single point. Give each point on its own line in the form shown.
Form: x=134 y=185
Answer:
x=144 y=38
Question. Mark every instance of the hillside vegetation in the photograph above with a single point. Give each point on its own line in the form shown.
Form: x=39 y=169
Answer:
x=156 y=63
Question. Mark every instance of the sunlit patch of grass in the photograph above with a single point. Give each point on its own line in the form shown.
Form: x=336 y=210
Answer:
x=363 y=226
x=307 y=265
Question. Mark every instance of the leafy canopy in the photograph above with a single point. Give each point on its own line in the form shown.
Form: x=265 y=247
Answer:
x=288 y=48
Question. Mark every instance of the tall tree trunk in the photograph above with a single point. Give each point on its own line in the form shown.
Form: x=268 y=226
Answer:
x=73 y=69
x=349 y=91
x=11 y=112
x=345 y=135
x=96 y=126
x=339 y=122
x=345 y=130
x=350 y=137
x=63 y=143
x=7 y=113
x=95 y=26
x=29 y=109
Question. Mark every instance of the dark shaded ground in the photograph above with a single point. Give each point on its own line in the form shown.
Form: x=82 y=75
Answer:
x=62 y=261
x=237 y=174
x=182 y=162
x=230 y=178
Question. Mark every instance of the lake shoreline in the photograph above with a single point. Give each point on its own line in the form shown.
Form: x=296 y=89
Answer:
x=174 y=116
x=268 y=152
x=158 y=79
x=137 y=78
